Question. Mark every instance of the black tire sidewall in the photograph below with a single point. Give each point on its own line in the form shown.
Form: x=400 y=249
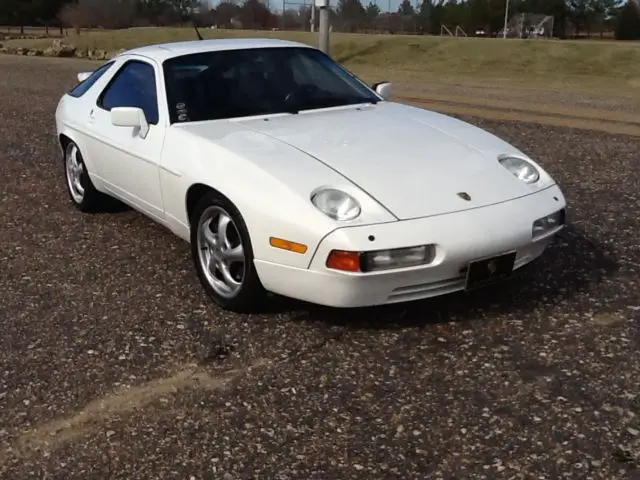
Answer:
x=251 y=293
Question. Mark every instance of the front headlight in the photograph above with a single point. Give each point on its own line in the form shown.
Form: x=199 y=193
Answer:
x=336 y=204
x=520 y=168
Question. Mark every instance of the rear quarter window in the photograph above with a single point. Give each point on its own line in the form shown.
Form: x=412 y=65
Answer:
x=81 y=88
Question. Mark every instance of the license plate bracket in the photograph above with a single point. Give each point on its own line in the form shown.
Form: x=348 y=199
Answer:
x=489 y=270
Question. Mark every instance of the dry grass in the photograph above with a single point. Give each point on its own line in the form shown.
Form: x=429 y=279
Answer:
x=585 y=84
x=583 y=64
x=582 y=84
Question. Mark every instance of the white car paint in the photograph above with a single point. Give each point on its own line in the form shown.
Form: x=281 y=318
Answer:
x=404 y=165
x=433 y=158
x=462 y=236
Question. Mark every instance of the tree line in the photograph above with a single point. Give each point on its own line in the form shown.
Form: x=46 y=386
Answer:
x=571 y=18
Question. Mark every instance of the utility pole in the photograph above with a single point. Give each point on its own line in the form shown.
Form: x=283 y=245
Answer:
x=284 y=7
x=506 y=19
x=313 y=17
x=323 y=32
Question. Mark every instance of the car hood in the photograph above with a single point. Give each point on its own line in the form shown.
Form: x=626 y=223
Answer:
x=413 y=161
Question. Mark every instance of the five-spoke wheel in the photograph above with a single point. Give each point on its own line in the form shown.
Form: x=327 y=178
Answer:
x=223 y=256
x=221 y=251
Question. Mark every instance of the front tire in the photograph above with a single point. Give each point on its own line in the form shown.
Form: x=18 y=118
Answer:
x=81 y=190
x=223 y=257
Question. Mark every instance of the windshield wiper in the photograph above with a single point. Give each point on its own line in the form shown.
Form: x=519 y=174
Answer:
x=336 y=105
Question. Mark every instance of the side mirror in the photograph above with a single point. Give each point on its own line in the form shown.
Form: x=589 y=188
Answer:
x=130 y=117
x=82 y=76
x=383 y=89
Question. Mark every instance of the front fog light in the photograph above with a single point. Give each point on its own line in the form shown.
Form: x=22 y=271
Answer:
x=397 y=258
x=546 y=224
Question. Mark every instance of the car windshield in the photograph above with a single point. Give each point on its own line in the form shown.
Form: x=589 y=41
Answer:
x=261 y=81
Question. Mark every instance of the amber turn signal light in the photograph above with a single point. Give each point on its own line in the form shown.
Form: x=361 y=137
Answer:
x=287 y=245
x=344 y=260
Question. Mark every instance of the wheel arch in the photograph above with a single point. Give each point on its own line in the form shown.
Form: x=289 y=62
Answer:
x=251 y=292
x=198 y=190
x=64 y=138
x=293 y=222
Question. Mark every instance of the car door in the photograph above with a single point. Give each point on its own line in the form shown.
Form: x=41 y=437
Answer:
x=128 y=163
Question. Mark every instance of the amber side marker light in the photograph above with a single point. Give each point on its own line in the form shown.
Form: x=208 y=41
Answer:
x=344 y=260
x=287 y=245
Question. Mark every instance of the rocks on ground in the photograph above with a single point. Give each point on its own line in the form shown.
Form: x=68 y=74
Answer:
x=60 y=49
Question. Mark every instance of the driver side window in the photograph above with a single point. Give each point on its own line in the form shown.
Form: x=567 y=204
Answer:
x=133 y=86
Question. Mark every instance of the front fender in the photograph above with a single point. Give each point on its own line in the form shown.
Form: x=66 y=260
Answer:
x=268 y=181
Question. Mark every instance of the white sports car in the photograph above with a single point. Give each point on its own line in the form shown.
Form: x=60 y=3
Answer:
x=288 y=174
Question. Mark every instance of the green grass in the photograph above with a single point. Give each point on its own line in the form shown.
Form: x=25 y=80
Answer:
x=575 y=64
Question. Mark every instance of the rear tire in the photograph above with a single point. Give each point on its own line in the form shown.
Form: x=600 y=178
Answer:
x=82 y=192
x=223 y=257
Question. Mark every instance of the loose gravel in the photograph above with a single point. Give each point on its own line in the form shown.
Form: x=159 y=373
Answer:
x=113 y=364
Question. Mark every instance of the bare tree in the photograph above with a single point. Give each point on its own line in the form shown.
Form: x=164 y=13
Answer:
x=184 y=8
x=255 y=14
x=205 y=15
x=99 y=13
x=72 y=16
x=226 y=12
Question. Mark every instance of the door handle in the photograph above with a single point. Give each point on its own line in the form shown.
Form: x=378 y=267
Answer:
x=91 y=116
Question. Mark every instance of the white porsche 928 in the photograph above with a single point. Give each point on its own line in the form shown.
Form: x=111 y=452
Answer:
x=287 y=174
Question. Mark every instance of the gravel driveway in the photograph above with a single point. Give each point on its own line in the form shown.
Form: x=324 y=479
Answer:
x=114 y=365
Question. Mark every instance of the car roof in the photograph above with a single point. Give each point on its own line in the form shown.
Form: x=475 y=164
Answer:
x=164 y=51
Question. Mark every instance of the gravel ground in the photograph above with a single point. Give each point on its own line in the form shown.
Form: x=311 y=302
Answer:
x=114 y=365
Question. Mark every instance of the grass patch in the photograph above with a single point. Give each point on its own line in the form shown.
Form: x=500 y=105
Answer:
x=557 y=64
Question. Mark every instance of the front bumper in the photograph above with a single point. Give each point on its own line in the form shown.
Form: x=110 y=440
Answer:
x=461 y=237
